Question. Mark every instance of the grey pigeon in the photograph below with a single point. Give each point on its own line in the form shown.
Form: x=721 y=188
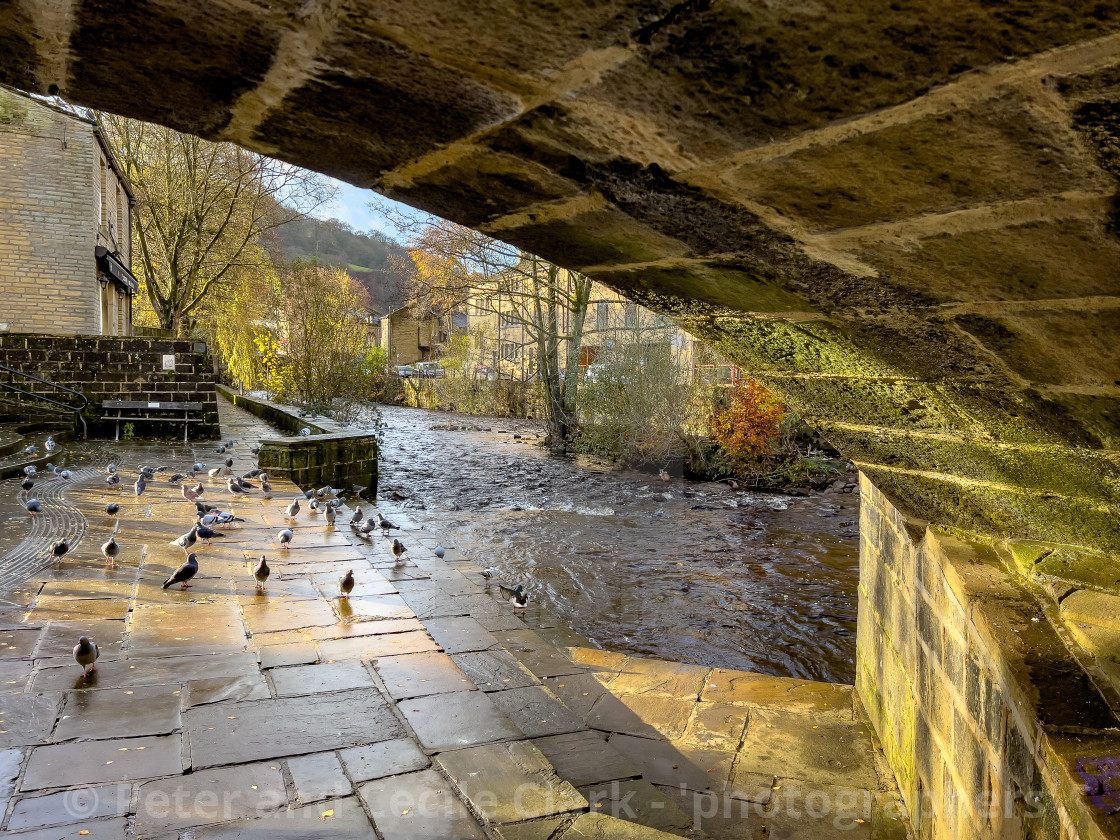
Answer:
x=489 y=573
x=27 y=484
x=65 y=474
x=184 y=573
x=205 y=534
x=305 y=431
x=112 y=478
x=186 y=540
x=110 y=549
x=261 y=572
x=517 y=597
x=162 y=470
x=111 y=469
x=292 y=509
x=112 y=508
x=346 y=584
x=309 y=494
x=356 y=516
x=440 y=551
x=189 y=494
x=29 y=470
x=140 y=485
x=31 y=450
x=58 y=549
x=285 y=537
x=199 y=489
x=51 y=467
x=330 y=515
x=33 y=507
x=265 y=486
x=85 y=654
x=50 y=444
x=385 y=525
x=175 y=479
x=229 y=463
x=398 y=549
x=199 y=467
x=233 y=487
x=255 y=450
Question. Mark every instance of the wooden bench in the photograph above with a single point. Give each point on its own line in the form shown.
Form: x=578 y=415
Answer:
x=136 y=406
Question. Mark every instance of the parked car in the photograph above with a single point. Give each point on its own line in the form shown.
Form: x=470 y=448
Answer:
x=428 y=370
x=405 y=371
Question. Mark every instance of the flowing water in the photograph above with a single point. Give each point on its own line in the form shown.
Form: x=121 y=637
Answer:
x=689 y=571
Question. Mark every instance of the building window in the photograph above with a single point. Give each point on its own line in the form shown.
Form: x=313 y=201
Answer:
x=104 y=210
x=509 y=350
x=120 y=232
x=631 y=315
x=507 y=319
x=602 y=315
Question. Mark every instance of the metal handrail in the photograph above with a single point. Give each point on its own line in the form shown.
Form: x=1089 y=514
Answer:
x=77 y=410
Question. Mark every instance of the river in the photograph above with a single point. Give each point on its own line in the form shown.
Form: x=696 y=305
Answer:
x=688 y=571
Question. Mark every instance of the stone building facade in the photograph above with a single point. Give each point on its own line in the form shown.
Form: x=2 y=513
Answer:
x=65 y=223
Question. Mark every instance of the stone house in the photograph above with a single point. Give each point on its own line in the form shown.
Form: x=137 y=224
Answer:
x=407 y=339
x=65 y=223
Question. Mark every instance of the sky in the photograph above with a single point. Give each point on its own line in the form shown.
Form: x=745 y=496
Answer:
x=365 y=210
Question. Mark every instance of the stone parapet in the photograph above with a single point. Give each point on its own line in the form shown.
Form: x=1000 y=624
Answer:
x=341 y=459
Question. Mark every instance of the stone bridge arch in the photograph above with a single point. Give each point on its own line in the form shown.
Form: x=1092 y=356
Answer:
x=902 y=217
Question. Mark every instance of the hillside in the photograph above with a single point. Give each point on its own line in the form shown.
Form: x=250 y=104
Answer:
x=375 y=261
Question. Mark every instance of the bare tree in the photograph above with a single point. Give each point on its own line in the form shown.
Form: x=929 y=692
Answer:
x=201 y=208
x=455 y=265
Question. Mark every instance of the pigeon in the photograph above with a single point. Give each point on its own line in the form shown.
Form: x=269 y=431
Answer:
x=184 y=573
x=27 y=484
x=186 y=540
x=517 y=596
x=33 y=507
x=112 y=508
x=205 y=534
x=85 y=654
x=440 y=551
x=204 y=508
x=356 y=516
x=31 y=450
x=214 y=473
x=292 y=509
x=490 y=573
x=256 y=450
x=162 y=470
x=346 y=584
x=65 y=474
x=222 y=449
x=261 y=572
x=199 y=489
x=330 y=516
x=309 y=494
x=51 y=467
x=110 y=549
x=188 y=493
x=229 y=463
x=175 y=479
x=266 y=488
x=285 y=537
x=252 y=474
x=385 y=525
x=305 y=431
x=59 y=549
x=112 y=478
x=313 y=506
x=29 y=470
x=218 y=517
x=398 y=549
x=49 y=443
x=199 y=467
x=140 y=485
x=233 y=487
x=263 y=476
x=111 y=469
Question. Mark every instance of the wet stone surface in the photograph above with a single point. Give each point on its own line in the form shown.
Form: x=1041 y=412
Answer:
x=221 y=712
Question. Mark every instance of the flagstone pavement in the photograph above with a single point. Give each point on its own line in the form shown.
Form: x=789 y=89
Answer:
x=421 y=707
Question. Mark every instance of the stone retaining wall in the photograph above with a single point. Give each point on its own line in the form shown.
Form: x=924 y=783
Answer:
x=984 y=709
x=117 y=368
x=341 y=459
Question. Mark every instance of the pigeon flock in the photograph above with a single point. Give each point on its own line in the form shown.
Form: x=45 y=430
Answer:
x=210 y=518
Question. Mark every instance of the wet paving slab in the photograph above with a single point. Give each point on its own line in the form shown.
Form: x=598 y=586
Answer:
x=419 y=707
